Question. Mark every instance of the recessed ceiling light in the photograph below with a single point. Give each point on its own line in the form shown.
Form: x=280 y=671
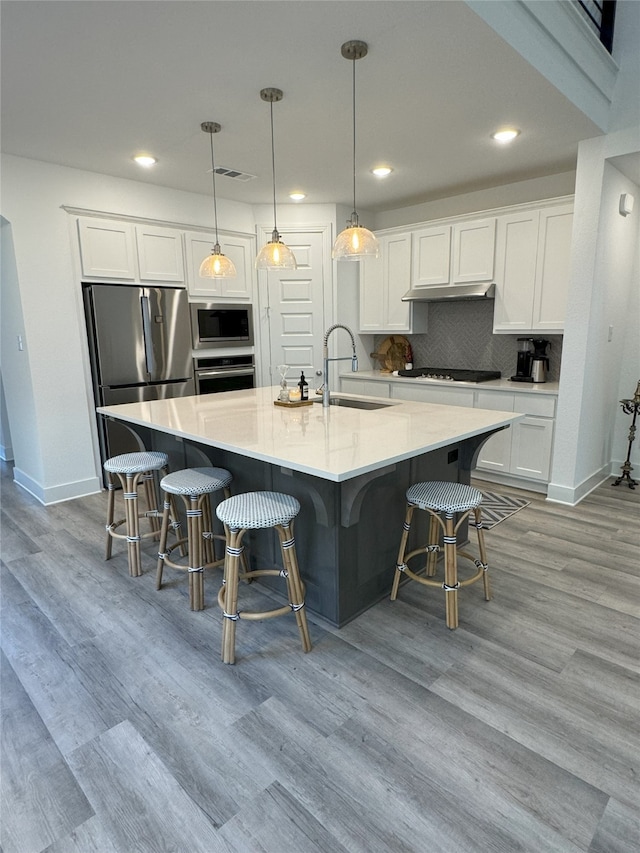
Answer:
x=382 y=171
x=297 y=196
x=145 y=160
x=507 y=134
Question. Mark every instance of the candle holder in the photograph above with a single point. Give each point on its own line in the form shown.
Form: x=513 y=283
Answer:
x=629 y=407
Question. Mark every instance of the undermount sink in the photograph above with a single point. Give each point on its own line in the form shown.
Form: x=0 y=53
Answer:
x=355 y=404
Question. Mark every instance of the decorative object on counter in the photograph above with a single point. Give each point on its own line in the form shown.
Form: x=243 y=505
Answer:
x=130 y=469
x=195 y=486
x=496 y=508
x=295 y=395
x=355 y=241
x=216 y=265
x=630 y=407
x=254 y=511
x=303 y=385
x=326 y=395
x=283 y=396
x=292 y=404
x=391 y=354
x=408 y=357
x=274 y=255
x=444 y=502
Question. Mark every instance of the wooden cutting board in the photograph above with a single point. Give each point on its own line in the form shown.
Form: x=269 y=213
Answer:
x=390 y=353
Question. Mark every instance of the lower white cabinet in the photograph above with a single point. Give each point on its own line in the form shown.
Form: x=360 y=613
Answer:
x=433 y=394
x=358 y=386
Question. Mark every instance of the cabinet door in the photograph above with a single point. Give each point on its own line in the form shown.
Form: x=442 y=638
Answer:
x=238 y=249
x=473 y=251
x=516 y=257
x=383 y=282
x=430 y=256
x=107 y=248
x=531 y=448
x=159 y=253
x=552 y=274
x=495 y=453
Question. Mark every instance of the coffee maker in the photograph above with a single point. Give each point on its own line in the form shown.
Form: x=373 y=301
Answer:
x=539 y=360
x=523 y=368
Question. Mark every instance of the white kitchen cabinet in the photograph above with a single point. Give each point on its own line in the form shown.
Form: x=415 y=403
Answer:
x=160 y=253
x=533 y=251
x=107 y=248
x=383 y=282
x=441 y=394
x=358 y=386
x=456 y=253
x=238 y=249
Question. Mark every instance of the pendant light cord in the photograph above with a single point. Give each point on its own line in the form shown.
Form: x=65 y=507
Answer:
x=273 y=168
x=355 y=215
x=213 y=181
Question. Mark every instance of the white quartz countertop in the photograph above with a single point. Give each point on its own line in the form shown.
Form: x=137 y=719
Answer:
x=493 y=385
x=335 y=443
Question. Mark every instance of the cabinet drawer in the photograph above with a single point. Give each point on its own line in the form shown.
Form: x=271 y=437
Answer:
x=437 y=394
x=364 y=386
x=495 y=401
x=533 y=404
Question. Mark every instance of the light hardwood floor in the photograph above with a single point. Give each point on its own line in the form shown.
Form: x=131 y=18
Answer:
x=123 y=731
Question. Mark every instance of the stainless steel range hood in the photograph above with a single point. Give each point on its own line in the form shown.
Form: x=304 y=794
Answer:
x=451 y=292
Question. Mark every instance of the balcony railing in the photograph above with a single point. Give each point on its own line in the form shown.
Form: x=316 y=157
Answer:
x=600 y=15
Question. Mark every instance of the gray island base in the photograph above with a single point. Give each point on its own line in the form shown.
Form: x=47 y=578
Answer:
x=349 y=469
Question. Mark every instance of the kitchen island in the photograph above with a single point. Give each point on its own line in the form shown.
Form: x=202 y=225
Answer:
x=348 y=467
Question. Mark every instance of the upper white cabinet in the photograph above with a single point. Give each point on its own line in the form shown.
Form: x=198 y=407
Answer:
x=107 y=248
x=383 y=282
x=112 y=249
x=238 y=249
x=160 y=255
x=533 y=251
x=456 y=253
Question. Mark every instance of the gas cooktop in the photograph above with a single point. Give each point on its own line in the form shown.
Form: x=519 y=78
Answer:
x=451 y=375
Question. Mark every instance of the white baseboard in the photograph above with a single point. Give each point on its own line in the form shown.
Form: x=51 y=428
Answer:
x=6 y=452
x=59 y=493
x=572 y=495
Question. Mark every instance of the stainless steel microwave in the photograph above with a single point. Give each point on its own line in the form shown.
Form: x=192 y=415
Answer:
x=217 y=324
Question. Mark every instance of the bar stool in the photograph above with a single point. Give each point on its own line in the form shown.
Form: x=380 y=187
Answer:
x=252 y=511
x=194 y=485
x=446 y=499
x=130 y=469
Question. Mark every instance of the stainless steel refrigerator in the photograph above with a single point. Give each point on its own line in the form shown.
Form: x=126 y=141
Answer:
x=140 y=349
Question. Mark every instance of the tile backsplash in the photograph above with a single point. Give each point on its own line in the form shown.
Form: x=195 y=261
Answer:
x=460 y=335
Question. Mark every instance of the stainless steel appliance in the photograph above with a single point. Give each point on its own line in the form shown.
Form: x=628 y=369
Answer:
x=216 y=324
x=523 y=365
x=140 y=349
x=451 y=374
x=224 y=373
x=539 y=360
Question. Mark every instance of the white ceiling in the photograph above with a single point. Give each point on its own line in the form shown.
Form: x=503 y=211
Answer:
x=88 y=84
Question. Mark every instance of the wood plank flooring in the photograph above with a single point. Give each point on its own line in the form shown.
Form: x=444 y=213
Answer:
x=519 y=731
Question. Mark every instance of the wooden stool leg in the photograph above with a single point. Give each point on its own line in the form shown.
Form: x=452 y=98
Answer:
x=230 y=611
x=432 y=556
x=196 y=570
x=111 y=499
x=130 y=487
x=483 y=554
x=450 y=572
x=401 y=551
x=162 y=546
x=294 y=582
x=151 y=500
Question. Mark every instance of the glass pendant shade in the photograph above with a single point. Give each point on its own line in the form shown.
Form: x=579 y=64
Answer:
x=217 y=265
x=354 y=243
x=275 y=255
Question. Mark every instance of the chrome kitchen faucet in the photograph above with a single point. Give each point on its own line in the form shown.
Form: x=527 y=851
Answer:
x=325 y=357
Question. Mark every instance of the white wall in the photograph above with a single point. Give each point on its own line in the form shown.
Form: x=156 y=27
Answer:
x=49 y=403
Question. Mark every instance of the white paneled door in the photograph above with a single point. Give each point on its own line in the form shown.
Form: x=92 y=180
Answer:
x=294 y=307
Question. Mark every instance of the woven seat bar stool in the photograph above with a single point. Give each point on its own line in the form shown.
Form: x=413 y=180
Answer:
x=133 y=470
x=195 y=486
x=443 y=501
x=252 y=511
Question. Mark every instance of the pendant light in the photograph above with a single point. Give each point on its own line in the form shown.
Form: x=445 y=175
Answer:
x=274 y=255
x=216 y=265
x=356 y=241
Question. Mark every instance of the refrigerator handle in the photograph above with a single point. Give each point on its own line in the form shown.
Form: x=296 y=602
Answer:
x=148 y=339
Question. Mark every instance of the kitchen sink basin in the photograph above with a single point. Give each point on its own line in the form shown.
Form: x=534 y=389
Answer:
x=355 y=404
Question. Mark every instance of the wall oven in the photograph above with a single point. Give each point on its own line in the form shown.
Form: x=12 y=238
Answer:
x=224 y=373
x=216 y=324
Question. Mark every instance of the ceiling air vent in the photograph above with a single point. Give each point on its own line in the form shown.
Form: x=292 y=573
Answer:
x=233 y=173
